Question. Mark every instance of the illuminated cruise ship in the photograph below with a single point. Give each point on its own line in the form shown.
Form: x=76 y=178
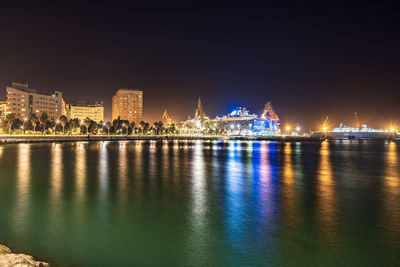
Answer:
x=346 y=132
x=239 y=122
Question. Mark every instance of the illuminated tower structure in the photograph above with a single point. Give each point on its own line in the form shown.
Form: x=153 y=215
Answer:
x=167 y=118
x=269 y=123
x=200 y=114
x=270 y=114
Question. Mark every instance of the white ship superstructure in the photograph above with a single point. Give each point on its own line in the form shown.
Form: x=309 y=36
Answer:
x=347 y=132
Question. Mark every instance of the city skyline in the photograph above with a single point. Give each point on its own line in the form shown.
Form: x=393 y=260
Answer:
x=68 y=104
x=310 y=61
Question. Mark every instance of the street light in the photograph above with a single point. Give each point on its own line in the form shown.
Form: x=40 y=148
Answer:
x=55 y=127
x=23 y=127
x=287 y=128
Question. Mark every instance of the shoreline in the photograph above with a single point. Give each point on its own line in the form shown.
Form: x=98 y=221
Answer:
x=8 y=259
x=15 y=139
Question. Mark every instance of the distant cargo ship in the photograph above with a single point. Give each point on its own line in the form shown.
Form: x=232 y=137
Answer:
x=345 y=132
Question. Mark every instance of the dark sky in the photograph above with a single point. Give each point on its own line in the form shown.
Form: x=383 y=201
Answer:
x=309 y=60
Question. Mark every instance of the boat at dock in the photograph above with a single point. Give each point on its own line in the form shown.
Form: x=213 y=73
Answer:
x=346 y=132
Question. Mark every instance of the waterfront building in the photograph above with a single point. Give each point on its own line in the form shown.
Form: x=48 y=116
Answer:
x=128 y=105
x=3 y=110
x=25 y=102
x=81 y=111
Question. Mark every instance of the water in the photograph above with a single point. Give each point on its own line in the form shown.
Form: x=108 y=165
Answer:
x=202 y=204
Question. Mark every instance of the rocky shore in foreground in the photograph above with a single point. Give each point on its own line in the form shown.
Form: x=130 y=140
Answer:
x=10 y=259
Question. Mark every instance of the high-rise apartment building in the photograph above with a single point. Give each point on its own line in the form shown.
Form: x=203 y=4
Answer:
x=81 y=111
x=25 y=102
x=3 y=110
x=128 y=105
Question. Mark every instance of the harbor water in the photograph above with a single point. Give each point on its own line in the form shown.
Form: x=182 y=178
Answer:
x=199 y=203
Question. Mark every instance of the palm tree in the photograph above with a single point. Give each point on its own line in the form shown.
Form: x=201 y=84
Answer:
x=142 y=125
x=94 y=127
x=155 y=127
x=132 y=125
x=170 y=129
x=108 y=126
x=146 y=127
x=10 y=118
x=74 y=124
x=35 y=122
x=87 y=123
x=63 y=122
x=117 y=123
x=43 y=120
x=159 y=127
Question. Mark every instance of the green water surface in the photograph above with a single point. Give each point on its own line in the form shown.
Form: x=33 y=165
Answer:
x=198 y=203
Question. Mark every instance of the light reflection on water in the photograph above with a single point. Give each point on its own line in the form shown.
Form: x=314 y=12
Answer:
x=289 y=196
x=23 y=192
x=264 y=184
x=103 y=170
x=56 y=173
x=197 y=240
x=326 y=206
x=392 y=180
x=123 y=171
x=56 y=186
x=137 y=162
x=233 y=203
x=198 y=184
x=391 y=195
x=80 y=173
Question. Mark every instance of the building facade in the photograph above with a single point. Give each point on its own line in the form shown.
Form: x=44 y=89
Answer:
x=25 y=102
x=81 y=111
x=128 y=105
x=3 y=110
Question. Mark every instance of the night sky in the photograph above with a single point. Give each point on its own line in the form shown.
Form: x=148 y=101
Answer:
x=309 y=60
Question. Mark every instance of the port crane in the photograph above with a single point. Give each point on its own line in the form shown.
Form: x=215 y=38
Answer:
x=269 y=113
x=167 y=118
x=200 y=114
x=357 y=120
x=325 y=125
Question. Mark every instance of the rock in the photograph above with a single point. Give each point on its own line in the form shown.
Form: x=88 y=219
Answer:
x=9 y=259
x=4 y=249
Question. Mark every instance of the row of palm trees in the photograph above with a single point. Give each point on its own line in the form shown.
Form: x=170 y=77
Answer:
x=45 y=125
